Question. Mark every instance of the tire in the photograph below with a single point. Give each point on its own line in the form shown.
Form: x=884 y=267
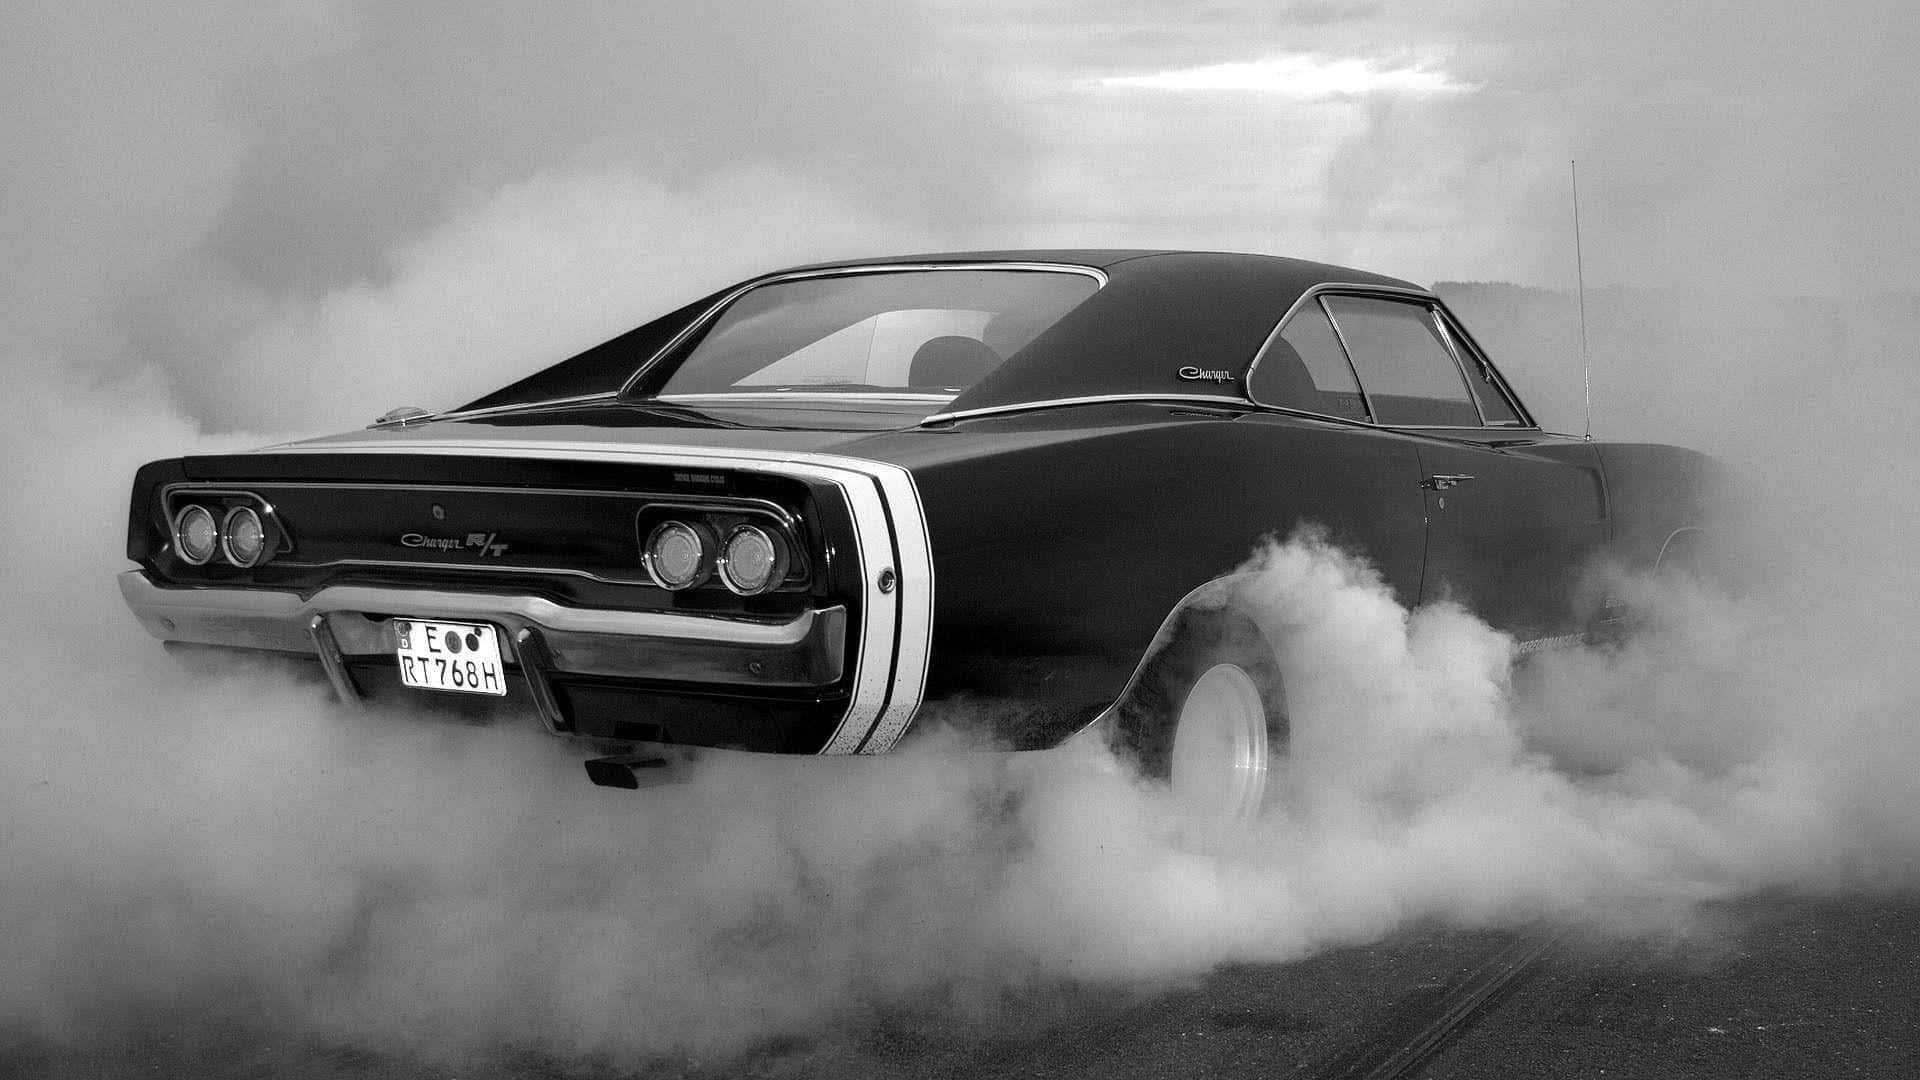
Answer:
x=1207 y=716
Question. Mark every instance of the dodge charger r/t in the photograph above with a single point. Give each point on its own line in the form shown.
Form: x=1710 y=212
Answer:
x=822 y=508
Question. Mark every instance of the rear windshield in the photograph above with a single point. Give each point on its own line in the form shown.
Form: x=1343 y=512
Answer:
x=913 y=332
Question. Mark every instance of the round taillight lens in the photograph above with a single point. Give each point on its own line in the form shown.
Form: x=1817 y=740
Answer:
x=243 y=537
x=195 y=536
x=752 y=561
x=676 y=555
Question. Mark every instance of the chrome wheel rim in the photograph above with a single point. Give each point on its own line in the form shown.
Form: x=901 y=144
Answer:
x=1219 y=766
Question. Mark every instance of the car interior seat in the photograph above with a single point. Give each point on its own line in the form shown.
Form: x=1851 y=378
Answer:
x=951 y=362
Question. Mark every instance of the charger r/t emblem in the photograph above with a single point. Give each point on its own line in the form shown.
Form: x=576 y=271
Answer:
x=486 y=543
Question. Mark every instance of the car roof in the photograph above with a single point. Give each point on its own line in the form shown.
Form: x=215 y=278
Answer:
x=1159 y=311
x=1274 y=267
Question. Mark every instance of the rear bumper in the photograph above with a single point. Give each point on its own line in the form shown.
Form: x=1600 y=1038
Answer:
x=342 y=623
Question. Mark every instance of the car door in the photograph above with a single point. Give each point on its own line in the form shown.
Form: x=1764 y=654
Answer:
x=1513 y=515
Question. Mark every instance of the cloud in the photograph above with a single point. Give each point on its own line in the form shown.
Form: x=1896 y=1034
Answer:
x=1715 y=144
x=211 y=186
x=535 y=272
x=1305 y=76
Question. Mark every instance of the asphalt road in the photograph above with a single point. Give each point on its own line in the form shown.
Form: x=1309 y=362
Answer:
x=1775 y=986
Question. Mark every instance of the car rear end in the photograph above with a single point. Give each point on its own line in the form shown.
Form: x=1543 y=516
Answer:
x=759 y=599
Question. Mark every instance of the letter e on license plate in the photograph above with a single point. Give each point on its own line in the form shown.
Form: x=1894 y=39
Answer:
x=461 y=657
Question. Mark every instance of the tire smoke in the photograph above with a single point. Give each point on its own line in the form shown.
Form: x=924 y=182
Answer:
x=238 y=844
x=233 y=845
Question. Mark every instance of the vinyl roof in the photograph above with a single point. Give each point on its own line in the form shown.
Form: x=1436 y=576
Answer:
x=1159 y=312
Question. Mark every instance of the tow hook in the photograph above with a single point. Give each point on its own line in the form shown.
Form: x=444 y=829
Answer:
x=630 y=771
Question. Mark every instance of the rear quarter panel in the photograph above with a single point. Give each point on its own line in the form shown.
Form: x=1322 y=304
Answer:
x=1654 y=491
x=1063 y=538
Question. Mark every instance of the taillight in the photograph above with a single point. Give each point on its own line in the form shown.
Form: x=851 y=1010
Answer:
x=678 y=555
x=749 y=546
x=243 y=537
x=752 y=560
x=195 y=535
x=232 y=528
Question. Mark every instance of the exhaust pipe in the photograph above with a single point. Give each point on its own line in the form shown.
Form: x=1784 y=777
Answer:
x=630 y=771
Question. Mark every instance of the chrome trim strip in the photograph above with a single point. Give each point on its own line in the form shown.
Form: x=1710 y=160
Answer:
x=1668 y=543
x=707 y=316
x=1314 y=292
x=149 y=600
x=808 y=653
x=1464 y=427
x=896 y=624
x=1168 y=399
x=493 y=410
x=762 y=397
x=1091 y=399
x=205 y=487
x=640 y=579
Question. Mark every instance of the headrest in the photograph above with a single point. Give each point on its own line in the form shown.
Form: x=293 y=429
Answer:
x=951 y=362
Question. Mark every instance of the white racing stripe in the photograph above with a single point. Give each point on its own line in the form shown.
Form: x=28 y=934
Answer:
x=896 y=626
x=913 y=591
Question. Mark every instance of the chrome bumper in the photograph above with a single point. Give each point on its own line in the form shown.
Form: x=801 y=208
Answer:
x=346 y=621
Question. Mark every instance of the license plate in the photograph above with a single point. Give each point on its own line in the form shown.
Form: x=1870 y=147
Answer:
x=461 y=657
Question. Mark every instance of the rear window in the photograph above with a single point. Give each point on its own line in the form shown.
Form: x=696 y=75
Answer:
x=921 y=332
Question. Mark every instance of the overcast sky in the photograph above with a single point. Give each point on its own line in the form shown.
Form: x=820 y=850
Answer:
x=1758 y=141
x=227 y=187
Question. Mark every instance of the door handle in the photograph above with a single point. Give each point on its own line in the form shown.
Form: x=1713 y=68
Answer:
x=1443 y=481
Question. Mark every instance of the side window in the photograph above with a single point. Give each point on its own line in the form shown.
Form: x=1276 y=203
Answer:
x=1486 y=390
x=1305 y=368
x=1409 y=372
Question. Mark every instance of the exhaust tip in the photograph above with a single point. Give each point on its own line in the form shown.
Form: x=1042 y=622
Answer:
x=628 y=771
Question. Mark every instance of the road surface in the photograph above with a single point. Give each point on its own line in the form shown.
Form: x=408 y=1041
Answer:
x=1775 y=986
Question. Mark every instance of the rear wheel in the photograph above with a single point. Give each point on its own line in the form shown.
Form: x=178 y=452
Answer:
x=1208 y=716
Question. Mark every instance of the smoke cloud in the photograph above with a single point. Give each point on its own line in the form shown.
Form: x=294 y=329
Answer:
x=394 y=880
x=236 y=223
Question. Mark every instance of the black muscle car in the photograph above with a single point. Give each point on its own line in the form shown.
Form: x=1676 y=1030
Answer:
x=817 y=509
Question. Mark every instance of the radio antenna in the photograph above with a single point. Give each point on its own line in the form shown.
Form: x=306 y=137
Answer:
x=1580 y=278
